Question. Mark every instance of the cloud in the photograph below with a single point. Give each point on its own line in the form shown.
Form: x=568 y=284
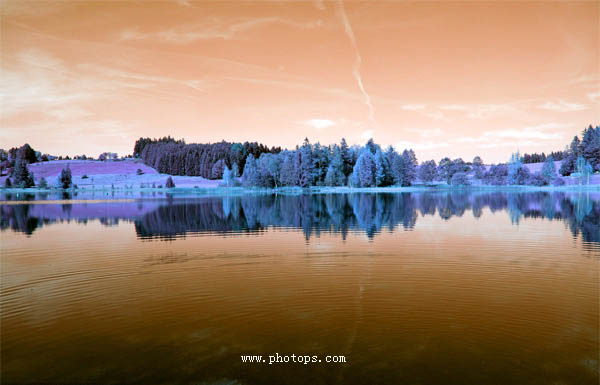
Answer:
x=594 y=97
x=454 y=107
x=211 y=29
x=537 y=132
x=319 y=124
x=562 y=106
x=479 y=111
x=413 y=107
x=400 y=146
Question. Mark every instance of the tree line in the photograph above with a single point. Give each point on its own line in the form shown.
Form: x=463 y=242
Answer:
x=175 y=157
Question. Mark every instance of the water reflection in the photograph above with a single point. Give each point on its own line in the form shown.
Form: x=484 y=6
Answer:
x=313 y=213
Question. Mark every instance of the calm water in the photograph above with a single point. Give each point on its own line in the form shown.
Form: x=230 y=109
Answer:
x=411 y=288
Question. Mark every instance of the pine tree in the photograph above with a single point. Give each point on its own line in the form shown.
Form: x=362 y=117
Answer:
x=305 y=166
x=549 y=170
x=346 y=157
x=363 y=174
x=513 y=168
x=169 y=183
x=409 y=168
x=22 y=177
x=65 y=179
x=380 y=169
x=335 y=172
x=227 y=177
x=250 y=175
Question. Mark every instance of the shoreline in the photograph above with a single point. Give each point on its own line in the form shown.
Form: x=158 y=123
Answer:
x=300 y=190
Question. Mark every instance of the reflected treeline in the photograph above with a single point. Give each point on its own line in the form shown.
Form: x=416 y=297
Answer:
x=314 y=213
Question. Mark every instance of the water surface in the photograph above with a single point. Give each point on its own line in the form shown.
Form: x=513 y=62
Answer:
x=421 y=288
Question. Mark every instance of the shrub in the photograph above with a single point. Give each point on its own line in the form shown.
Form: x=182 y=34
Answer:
x=558 y=181
x=139 y=171
x=7 y=183
x=169 y=183
x=84 y=176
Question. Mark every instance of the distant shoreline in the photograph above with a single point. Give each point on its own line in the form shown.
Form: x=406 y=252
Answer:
x=312 y=189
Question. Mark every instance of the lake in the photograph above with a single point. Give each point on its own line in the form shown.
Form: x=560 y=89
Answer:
x=410 y=288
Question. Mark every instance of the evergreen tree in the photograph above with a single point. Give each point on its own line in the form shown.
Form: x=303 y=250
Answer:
x=7 y=183
x=289 y=174
x=584 y=169
x=380 y=169
x=335 y=172
x=409 y=167
x=250 y=176
x=590 y=146
x=235 y=171
x=169 y=183
x=227 y=177
x=363 y=174
x=305 y=164
x=65 y=179
x=22 y=177
x=549 y=170
x=346 y=157
x=514 y=166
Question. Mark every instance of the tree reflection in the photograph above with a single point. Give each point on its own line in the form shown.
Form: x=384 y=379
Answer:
x=315 y=213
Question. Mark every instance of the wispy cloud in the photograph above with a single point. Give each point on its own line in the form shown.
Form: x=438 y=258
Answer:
x=562 y=106
x=479 y=111
x=594 y=96
x=357 y=61
x=401 y=145
x=212 y=29
x=413 y=107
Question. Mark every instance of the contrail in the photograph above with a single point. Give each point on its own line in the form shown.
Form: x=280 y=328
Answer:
x=357 y=62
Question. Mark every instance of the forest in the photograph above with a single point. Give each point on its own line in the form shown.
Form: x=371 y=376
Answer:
x=253 y=164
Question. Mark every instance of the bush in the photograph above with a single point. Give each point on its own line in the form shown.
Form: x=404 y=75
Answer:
x=7 y=183
x=169 y=183
x=139 y=171
x=84 y=176
x=558 y=181
x=460 y=179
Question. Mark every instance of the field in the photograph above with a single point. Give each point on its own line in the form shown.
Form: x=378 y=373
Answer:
x=120 y=174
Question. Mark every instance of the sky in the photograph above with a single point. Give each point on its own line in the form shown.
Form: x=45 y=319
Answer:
x=445 y=78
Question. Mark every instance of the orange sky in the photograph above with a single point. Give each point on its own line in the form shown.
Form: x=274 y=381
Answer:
x=445 y=78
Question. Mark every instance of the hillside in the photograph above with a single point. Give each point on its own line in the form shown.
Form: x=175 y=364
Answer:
x=105 y=174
